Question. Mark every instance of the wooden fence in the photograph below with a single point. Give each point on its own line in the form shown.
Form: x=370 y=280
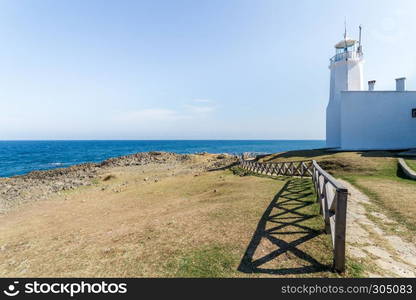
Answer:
x=293 y=168
x=331 y=195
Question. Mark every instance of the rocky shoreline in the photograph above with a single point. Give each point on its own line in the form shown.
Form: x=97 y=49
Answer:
x=38 y=185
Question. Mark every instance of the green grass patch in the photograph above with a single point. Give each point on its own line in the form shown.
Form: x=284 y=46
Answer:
x=354 y=268
x=210 y=262
x=95 y=181
x=411 y=162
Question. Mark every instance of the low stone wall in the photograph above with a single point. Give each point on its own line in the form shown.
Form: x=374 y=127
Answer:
x=406 y=169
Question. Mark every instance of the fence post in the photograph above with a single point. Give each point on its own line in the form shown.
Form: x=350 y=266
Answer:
x=340 y=230
x=325 y=207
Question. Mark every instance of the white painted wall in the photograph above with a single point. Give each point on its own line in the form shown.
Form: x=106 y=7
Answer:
x=346 y=75
x=333 y=127
x=373 y=120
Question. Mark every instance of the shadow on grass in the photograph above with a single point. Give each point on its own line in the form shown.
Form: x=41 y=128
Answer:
x=306 y=154
x=381 y=153
x=293 y=197
x=402 y=175
x=224 y=167
x=316 y=153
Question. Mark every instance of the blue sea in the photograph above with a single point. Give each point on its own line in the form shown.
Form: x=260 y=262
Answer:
x=20 y=157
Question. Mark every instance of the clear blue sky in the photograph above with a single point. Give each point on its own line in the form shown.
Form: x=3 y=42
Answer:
x=212 y=69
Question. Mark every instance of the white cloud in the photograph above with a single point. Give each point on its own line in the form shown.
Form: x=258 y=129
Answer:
x=201 y=106
x=202 y=100
x=150 y=115
x=161 y=116
x=200 y=109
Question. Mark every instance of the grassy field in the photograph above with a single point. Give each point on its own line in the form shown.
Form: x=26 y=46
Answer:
x=164 y=221
x=375 y=173
x=411 y=162
x=209 y=224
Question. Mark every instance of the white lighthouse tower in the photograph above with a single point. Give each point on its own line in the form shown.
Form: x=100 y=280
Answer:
x=346 y=75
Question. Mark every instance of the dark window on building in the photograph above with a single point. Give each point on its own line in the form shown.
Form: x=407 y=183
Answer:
x=414 y=113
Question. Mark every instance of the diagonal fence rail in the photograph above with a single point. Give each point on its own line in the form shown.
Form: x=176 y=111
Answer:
x=331 y=195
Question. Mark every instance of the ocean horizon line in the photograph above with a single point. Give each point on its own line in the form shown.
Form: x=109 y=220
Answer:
x=22 y=156
x=120 y=140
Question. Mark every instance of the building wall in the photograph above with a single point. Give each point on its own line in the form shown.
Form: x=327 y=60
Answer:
x=355 y=75
x=333 y=125
x=377 y=120
x=345 y=75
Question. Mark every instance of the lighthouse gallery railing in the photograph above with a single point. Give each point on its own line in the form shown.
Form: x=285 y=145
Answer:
x=345 y=55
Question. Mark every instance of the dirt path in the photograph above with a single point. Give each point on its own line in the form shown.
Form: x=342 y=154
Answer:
x=386 y=254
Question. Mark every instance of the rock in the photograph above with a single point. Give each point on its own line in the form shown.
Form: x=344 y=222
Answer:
x=38 y=185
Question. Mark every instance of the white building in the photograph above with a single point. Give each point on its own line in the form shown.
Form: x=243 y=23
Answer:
x=358 y=119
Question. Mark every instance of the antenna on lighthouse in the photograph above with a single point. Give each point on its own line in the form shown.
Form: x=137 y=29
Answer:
x=345 y=28
x=359 y=41
x=345 y=39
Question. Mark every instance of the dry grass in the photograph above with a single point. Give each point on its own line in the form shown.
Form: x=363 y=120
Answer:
x=146 y=221
x=126 y=229
x=397 y=198
x=289 y=239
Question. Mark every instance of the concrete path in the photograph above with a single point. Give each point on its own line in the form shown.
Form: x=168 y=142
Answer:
x=389 y=255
